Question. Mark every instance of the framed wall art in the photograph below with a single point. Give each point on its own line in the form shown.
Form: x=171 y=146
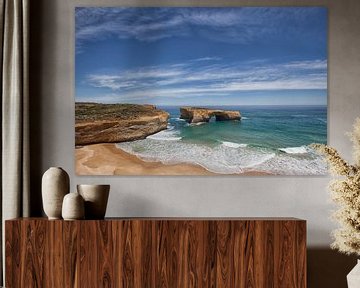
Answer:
x=200 y=91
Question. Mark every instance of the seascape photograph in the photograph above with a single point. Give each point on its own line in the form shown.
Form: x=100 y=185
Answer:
x=200 y=91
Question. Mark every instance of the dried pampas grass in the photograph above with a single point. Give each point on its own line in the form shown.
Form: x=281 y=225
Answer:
x=345 y=191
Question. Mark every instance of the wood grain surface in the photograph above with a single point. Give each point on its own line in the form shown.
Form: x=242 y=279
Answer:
x=157 y=253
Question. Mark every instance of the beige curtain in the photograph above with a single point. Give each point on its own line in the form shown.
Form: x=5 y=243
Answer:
x=14 y=27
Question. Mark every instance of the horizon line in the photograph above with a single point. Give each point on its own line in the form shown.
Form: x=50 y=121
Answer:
x=211 y=105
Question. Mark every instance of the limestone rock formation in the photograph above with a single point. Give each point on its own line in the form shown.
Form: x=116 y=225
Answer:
x=112 y=123
x=196 y=115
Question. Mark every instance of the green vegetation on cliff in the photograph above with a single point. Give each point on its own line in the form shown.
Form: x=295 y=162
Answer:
x=85 y=111
x=114 y=123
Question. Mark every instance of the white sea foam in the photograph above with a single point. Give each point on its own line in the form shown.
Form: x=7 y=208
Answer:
x=197 y=124
x=233 y=145
x=224 y=159
x=261 y=160
x=166 y=135
x=295 y=150
x=286 y=164
x=178 y=119
x=244 y=118
x=300 y=116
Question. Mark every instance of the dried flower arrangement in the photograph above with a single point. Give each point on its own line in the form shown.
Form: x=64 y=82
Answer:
x=345 y=191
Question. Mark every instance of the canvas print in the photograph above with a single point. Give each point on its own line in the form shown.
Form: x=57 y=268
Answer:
x=200 y=91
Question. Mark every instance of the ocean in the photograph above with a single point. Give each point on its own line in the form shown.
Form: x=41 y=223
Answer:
x=270 y=139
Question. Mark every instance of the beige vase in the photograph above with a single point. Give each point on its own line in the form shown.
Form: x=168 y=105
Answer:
x=55 y=185
x=96 y=198
x=73 y=207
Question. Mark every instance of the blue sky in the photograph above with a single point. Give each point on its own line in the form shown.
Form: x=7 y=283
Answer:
x=202 y=56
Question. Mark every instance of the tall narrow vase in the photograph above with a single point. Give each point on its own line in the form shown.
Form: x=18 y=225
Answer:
x=353 y=278
x=55 y=185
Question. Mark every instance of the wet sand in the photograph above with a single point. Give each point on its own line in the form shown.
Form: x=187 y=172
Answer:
x=107 y=159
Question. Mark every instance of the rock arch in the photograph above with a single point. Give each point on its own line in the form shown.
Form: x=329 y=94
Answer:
x=196 y=115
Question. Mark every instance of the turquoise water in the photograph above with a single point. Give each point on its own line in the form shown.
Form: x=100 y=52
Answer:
x=271 y=139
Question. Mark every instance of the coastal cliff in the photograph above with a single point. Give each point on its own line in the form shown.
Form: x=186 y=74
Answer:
x=196 y=115
x=112 y=123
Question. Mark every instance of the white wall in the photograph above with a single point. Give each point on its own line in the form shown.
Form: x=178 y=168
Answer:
x=304 y=197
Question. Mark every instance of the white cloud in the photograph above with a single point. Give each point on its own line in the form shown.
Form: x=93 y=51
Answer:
x=203 y=79
x=151 y=24
x=317 y=64
x=284 y=84
x=207 y=59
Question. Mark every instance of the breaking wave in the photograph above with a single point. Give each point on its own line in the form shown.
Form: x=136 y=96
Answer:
x=223 y=158
x=295 y=150
x=233 y=145
x=166 y=135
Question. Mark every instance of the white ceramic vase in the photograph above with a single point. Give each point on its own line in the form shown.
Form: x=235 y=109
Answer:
x=96 y=198
x=353 y=278
x=55 y=185
x=73 y=207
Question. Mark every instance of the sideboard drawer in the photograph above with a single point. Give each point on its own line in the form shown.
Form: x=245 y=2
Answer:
x=156 y=252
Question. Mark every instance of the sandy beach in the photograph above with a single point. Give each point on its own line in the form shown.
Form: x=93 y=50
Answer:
x=107 y=159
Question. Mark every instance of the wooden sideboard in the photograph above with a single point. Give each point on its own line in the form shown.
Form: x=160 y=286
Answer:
x=156 y=252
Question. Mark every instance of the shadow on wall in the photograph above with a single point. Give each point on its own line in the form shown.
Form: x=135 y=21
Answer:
x=139 y=207
x=36 y=97
x=328 y=268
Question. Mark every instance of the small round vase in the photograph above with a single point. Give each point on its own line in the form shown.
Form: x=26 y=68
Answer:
x=73 y=207
x=55 y=185
x=96 y=198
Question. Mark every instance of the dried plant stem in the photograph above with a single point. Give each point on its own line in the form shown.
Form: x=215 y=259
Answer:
x=345 y=191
